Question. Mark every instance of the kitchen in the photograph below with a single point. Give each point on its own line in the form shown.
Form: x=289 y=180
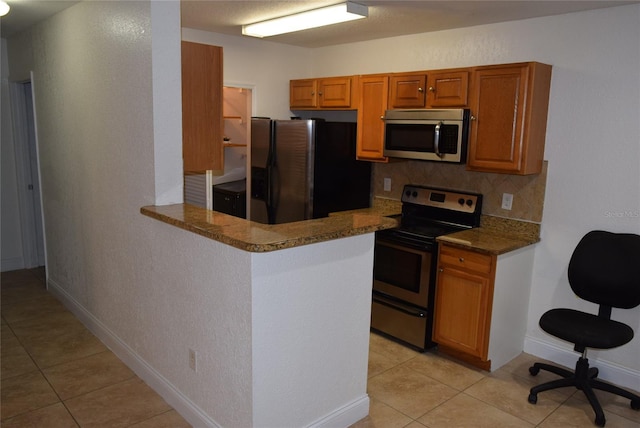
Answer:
x=580 y=67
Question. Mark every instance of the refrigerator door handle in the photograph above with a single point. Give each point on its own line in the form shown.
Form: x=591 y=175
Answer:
x=274 y=193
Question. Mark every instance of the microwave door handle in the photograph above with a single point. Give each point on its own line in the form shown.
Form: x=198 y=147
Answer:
x=436 y=140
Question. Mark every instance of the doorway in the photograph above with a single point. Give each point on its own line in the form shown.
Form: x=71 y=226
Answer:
x=28 y=174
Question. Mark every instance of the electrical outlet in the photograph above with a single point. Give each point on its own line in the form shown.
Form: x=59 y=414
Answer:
x=193 y=358
x=387 y=184
x=507 y=201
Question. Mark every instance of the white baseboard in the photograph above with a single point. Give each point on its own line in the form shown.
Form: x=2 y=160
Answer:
x=342 y=417
x=187 y=409
x=608 y=371
x=346 y=415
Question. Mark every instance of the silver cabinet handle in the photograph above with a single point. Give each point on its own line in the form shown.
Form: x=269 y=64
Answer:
x=420 y=90
x=432 y=89
x=461 y=259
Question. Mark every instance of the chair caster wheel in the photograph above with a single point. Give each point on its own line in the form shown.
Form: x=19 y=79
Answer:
x=635 y=404
x=533 y=398
x=533 y=370
x=600 y=421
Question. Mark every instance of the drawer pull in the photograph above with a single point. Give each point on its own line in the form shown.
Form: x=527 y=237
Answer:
x=461 y=259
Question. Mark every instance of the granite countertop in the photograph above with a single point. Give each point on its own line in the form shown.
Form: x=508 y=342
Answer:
x=256 y=237
x=495 y=236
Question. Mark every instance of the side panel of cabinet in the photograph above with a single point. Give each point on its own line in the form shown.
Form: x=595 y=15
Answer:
x=407 y=91
x=202 y=107
x=448 y=89
x=303 y=93
x=373 y=92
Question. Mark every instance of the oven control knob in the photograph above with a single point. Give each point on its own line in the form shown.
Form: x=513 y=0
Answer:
x=461 y=201
x=408 y=193
x=469 y=202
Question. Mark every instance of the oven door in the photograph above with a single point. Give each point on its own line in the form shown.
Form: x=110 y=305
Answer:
x=403 y=271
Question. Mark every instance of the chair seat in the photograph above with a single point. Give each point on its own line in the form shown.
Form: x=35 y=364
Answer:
x=585 y=330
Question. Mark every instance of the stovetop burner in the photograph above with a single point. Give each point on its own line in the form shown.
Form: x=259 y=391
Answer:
x=428 y=231
x=429 y=212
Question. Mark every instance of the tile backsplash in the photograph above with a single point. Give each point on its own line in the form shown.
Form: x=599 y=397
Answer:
x=528 y=191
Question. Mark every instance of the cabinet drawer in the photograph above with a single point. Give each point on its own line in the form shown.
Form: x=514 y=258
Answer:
x=465 y=259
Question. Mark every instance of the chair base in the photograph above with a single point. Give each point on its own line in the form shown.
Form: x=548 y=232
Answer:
x=583 y=378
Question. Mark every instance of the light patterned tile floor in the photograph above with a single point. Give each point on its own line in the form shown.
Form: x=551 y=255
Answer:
x=417 y=390
x=56 y=374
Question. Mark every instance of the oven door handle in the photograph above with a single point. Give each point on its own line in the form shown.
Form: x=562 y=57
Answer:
x=402 y=308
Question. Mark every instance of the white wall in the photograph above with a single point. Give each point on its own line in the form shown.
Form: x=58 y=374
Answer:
x=97 y=132
x=107 y=83
x=107 y=146
x=319 y=332
x=593 y=131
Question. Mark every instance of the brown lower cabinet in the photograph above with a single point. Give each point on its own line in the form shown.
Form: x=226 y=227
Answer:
x=481 y=304
x=464 y=295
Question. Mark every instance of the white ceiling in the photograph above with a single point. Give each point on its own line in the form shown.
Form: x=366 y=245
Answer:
x=387 y=18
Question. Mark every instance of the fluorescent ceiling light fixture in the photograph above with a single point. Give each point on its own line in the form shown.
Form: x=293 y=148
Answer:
x=4 y=8
x=342 y=12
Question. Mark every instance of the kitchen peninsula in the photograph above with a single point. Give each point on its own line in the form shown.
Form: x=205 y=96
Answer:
x=286 y=336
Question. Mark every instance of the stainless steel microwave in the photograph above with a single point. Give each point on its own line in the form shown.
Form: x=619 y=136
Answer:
x=427 y=134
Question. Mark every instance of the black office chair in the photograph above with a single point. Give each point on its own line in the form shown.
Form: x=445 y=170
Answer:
x=604 y=269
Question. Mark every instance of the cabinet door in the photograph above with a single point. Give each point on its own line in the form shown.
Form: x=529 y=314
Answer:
x=303 y=93
x=372 y=104
x=464 y=295
x=335 y=92
x=510 y=109
x=407 y=90
x=202 y=107
x=448 y=89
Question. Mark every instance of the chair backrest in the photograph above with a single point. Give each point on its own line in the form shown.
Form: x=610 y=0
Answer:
x=605 y=269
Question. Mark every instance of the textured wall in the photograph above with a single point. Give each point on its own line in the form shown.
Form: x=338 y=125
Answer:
x=103 y=142
x=319 y=330
x=593 y=168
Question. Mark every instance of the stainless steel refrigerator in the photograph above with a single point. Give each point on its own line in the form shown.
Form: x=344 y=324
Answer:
x=304 y=169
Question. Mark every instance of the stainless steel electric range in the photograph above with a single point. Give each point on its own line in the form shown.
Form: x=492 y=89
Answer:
x=405 y=261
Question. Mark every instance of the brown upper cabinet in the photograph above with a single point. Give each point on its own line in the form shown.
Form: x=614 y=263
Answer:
x=374 y=95
x=202 y=125
x=441 y=88
x=509 y=105
x=448 y=89
x=407 y=90
x=334 y=93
